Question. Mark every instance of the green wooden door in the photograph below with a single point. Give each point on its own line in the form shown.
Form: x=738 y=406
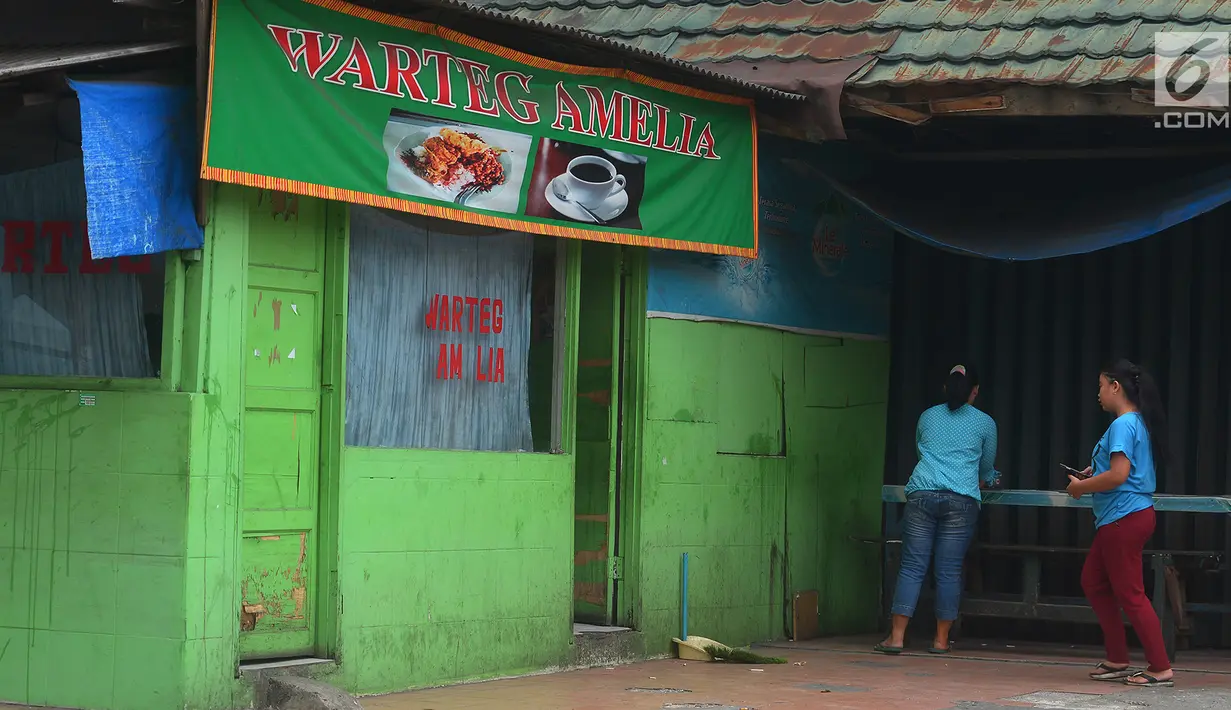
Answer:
x=282 y=412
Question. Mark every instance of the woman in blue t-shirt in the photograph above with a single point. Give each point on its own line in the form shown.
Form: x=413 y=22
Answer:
x=1122 y=479
x=957 y=452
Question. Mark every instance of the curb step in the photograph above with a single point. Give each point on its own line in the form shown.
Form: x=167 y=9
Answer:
x=289 y=692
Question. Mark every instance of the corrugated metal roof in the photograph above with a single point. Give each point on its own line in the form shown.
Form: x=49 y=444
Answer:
x=1065 y=42
x=16 y=61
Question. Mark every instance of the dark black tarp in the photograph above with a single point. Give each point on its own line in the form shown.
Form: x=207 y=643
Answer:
x=1026 y=209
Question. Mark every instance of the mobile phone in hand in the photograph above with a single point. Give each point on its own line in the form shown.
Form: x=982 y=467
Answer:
x=1080 y=474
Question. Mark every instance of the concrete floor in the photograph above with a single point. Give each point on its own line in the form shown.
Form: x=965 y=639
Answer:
x=843 y=675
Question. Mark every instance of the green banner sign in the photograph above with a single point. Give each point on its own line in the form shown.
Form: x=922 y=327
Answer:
x=332 y=100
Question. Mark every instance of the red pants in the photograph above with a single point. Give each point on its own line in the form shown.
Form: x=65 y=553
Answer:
x=1112 y=581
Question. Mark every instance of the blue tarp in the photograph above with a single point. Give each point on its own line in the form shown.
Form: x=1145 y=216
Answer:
x=138 y=143
x=1026 y=210
x=823 y=266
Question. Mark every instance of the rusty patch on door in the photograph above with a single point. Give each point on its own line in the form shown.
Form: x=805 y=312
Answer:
x=249 y=615
x=275 y=583
x=281 y=204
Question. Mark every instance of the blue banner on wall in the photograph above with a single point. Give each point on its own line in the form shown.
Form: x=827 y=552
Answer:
x=823 y=265
x=138 y=142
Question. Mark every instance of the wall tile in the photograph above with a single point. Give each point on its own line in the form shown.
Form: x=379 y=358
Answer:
x=194 y=598
x=198 y=505
x=385 y=588
x=92 y=660
x=209 y=674
x=221 y=516
x=208 y=598
x=14 y=665
x=750 y=394
x=220 y=602
x=149 y=673
x=153 y=515
x=433 y=560
x=33 y=424
x=80 y=591
x=155 y=434
x=150 y=597
x=89 y=506
x=76 y=508
x=380 y=657
x=379 y=513
x=93 y=435
x=13 y=484
x=16 y=587
x=683 y=385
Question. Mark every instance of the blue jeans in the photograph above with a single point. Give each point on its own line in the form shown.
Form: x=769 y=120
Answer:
x=940 y=523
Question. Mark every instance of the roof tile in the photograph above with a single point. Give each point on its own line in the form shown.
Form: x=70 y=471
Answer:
x=1072 y=71
x=1069 y=42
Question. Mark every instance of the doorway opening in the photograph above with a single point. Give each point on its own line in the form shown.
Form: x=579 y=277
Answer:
x=598 y=566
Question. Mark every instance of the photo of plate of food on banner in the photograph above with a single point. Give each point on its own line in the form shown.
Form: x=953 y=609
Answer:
x=470 y=166
x=585 y=184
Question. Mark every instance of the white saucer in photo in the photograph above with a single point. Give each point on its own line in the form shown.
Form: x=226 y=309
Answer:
x=606 y=210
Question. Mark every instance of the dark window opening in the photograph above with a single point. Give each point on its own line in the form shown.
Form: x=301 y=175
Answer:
x=62 y=313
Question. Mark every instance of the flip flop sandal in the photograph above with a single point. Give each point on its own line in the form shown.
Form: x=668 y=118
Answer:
x=1150 y=681
x=1105 y=672
x=938 y=651
x=887 y=650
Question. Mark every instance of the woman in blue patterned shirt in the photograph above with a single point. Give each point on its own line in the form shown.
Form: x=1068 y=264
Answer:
x=957 y=454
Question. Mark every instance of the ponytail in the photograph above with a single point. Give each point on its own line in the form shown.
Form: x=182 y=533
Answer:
x=958 y=386
x=1141 y=389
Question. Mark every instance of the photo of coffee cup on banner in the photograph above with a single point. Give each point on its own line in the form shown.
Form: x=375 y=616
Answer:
x=588 y=185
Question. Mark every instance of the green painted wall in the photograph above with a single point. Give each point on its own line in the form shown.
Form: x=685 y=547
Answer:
x=93 y=548
x=759 y=452
x=763 y=451
x=220 y=282
x=454 y=566
x=450 y=565
x=836 y=425
x=119 y=542
x=458 y=565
